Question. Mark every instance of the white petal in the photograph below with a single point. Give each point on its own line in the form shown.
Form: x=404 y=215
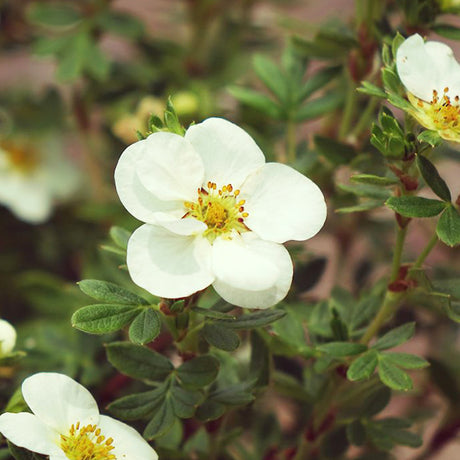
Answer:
x=187 y=226
x=229 y=153
x=7 y=337
x=59 y=400
x=28 y=431
x=242 y=278
x=128 y=443
x=170 y=168
x=169 y=265
x=26 y=196
x=139 y=202
x=283 y=204
x=424 y=67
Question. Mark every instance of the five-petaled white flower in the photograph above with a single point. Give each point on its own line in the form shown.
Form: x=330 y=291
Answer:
x=33 y=179
x=66 y=424
x=7 y=337
x=215 y=213
x=431 y=75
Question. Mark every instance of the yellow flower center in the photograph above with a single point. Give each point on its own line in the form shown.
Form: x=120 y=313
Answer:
x=219 y=209
x=22 y=159
x=86 y=443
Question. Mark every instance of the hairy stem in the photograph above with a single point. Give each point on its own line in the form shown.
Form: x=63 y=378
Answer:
x=426 y=251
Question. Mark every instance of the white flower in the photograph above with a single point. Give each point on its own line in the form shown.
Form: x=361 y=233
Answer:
x=66 y=424
x=7 y=337
x=215 y=213
x=32 y=178
x=431 y=75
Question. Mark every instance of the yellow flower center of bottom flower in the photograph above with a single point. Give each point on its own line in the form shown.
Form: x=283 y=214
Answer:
x=219 y=209
x=22 y=159
x=443 y=111
x=86 y=443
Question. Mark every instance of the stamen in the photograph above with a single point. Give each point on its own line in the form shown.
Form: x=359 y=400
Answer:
x=221 y=212
x=86 y=443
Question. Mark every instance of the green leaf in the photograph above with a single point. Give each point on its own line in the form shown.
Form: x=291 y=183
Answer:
x=361 y=207
x=363 y=366
x=253 y=320
x=234 y=395
x=121 y=24
x=396 y=43
x=337 y=153
x=74 y=56
x=110 y=292
x=272 y=76
x=198 y=372
x=20 y=453
x=221 y=337
x=120 y=236
x=317 y=81
x=259 y=365
x=45 y=46
x=257 y=101
x=449 y=286
x=392 y=376
x=138 y=362
x=356 y=433
x=371 y=179
x=161 y=422
x=184 y=401
x=96 y=63
x=395 y=337
x=210 y=410
x=377 y=401
x=315 y=108
x=432 y=178
x=145 y=327
x=430 y=137
x=52 y=14
x=208 y=313
x=139 y=405
x=342 y=349
x=103 y=318
x=448 y=227
x=390 y=80
x=406 y=360
x=372 y=90
x=447 y=31
x=415 y=206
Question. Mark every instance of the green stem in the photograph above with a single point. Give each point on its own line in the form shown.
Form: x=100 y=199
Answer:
x=390 y=303
x=291 y=141
x=400 y=237
x=349 y=110
x=364 y=119
x=424 y=254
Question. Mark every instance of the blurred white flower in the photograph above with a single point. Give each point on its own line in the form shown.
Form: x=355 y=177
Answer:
x=215 y=213
x=7 y=337
x=431 y=75
x=33 y=178
x=66 y=424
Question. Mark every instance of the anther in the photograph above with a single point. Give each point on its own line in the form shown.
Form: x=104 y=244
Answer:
x=446 y=89
x=241 y=209
x=237 y=192
x=241 y=202
x=230 y=188
x=245 y=214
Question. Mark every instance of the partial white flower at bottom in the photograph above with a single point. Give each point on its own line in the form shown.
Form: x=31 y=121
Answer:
x=33 y=178
x=7 y=337
x=215 y=213
x=431 y=75
x=66 y=424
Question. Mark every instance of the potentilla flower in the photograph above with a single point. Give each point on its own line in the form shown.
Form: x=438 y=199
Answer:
x=431 y=75
x=215 y=213
x=33 y=179
x=7 y=337
x=66 y=424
